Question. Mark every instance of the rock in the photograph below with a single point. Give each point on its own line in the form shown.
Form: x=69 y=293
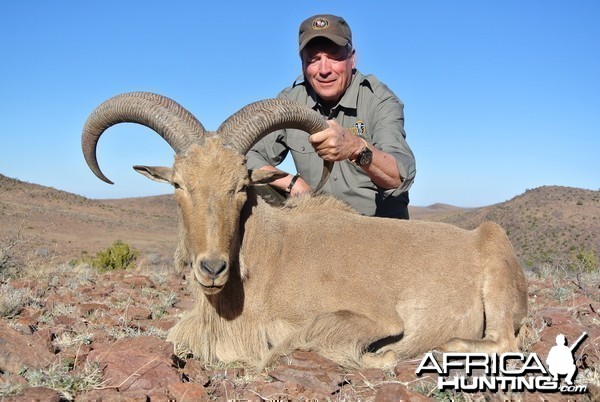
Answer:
x=554 y=316
x=82 y=353
x=187 y=391
x=87 y=309
x=593 y=392
x=185 y=304
x=137 y=313
x=67 y=321
x=405 y=370
x=31 y=312
x=138 y=281
x=325 y=381
x=138 y=366
x=165 y=323
x=195 y=372
x=280 y=391
x=18 y=351
x=99 y=395
x=393 y=392
x=365 y=381
x=35 y=394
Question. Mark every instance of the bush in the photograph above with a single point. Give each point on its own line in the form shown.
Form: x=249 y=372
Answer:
x=12 y=300
x=117 y=257
x=61 y=377
x=585 y=261
x=9 y=261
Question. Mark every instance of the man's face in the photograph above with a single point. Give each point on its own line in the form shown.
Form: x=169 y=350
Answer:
x=328 y=68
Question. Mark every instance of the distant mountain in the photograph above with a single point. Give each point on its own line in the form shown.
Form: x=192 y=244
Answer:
x=545 y=224
x=434 y=210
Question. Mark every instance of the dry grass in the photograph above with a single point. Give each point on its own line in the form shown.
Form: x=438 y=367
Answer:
x=61 y=377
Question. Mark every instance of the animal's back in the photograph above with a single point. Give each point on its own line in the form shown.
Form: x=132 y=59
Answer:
x=337 y=259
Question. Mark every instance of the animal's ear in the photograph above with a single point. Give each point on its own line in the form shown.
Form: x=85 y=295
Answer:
x=260 y=176
x=156 y=173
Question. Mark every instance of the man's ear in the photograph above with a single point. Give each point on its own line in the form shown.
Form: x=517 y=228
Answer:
x=157 y=173
x=260 y=176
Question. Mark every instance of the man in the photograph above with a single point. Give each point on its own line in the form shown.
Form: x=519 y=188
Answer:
x=374 y=166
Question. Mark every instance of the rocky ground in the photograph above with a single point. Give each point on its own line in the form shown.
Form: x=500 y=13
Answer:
x=71 y=333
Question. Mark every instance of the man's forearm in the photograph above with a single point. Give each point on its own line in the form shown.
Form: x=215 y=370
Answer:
x=299 y=186
x=383 y=170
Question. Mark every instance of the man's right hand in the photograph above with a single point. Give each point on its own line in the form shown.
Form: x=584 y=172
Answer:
x=300 y=186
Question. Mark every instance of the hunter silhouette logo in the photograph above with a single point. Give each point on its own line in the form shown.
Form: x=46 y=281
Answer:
x=516 y=372
x=561 y=360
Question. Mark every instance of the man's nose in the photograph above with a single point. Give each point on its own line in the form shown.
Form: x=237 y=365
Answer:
x=324 y=66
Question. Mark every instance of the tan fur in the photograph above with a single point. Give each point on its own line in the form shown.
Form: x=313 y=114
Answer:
x=316 y=275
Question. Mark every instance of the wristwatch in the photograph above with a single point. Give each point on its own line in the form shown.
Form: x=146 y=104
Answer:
x=365 y=156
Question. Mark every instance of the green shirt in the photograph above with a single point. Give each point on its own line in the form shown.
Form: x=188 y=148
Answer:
x=368 y=108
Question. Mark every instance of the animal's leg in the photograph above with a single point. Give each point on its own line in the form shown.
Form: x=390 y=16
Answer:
x=500 y=329
x=341 y=336
x=504 y=299
x=386 y=359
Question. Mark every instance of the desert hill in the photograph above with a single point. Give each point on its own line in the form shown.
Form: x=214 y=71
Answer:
x=64 y=225
x=545 y=224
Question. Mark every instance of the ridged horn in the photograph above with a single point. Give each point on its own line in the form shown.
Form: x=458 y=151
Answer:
x=177 y=126
x=253 y=122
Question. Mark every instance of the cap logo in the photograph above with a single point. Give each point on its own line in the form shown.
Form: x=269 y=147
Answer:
x=320 y=23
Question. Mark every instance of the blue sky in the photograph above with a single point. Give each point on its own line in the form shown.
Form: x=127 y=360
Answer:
x=499 y=97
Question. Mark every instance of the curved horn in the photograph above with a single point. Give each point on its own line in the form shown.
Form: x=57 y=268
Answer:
x=178 y=127
x=250 y=124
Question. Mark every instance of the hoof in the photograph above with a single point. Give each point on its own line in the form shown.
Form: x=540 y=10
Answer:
x=387 y=359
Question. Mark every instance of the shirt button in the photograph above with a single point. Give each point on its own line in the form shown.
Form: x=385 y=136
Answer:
x=334 y=178
x=303 y=148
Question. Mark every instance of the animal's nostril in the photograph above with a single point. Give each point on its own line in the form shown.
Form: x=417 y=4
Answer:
x=213 y=267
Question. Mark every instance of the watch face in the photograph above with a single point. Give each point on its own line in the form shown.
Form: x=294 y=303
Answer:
x=365 y=157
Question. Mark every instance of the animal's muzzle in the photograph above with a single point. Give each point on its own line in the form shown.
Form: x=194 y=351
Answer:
x=212 y=269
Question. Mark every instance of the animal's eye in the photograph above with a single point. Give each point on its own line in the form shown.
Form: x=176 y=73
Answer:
x=176 y=185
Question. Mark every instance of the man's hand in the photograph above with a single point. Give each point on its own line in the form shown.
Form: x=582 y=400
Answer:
x=336 y=143
x=300 y=186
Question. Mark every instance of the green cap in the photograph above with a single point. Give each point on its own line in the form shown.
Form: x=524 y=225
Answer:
x=327 y=26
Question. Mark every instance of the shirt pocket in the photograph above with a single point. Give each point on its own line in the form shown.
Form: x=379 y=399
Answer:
x=307 y=162
x=297 y=141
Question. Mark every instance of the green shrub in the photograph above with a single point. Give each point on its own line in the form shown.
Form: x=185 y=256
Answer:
x=585 y=261
x=119 y=256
